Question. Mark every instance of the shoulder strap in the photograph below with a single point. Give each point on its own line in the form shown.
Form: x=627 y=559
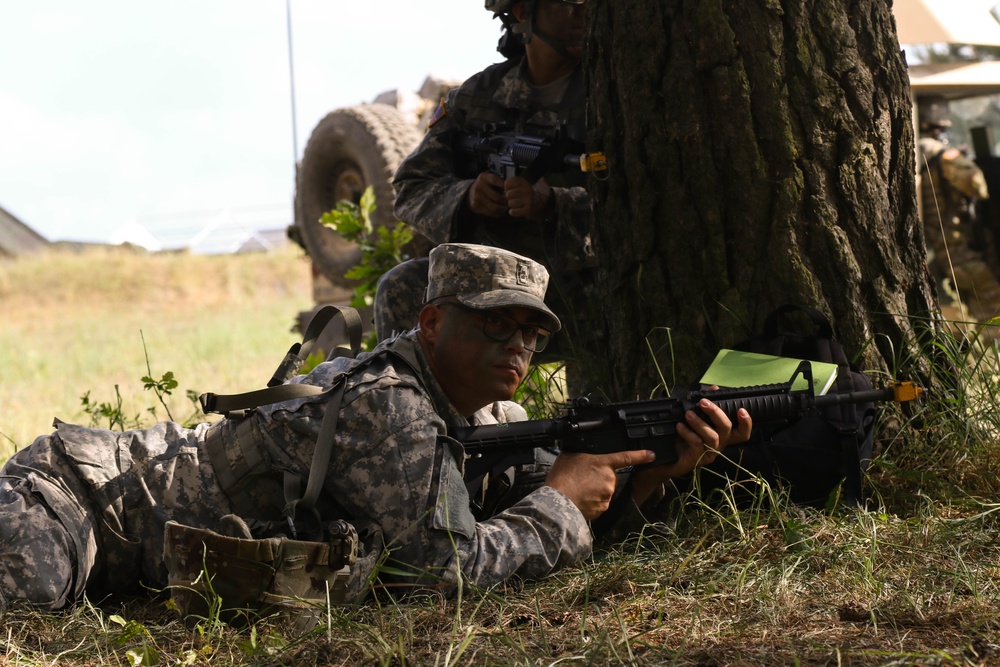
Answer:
x=295 y=499
x=299 y=352
x=236 y=405
x=319 y=465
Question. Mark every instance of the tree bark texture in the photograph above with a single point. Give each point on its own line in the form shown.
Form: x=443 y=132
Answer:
x=761 y=152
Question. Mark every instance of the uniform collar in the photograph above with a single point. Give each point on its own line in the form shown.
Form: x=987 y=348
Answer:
x=442 y=404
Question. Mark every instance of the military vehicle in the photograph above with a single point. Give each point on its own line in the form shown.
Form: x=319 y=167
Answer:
x=350 y=149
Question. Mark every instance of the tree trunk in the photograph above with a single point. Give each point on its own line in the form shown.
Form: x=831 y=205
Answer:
x=761 y=152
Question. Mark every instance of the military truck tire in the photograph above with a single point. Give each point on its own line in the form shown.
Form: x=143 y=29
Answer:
x=348 y=150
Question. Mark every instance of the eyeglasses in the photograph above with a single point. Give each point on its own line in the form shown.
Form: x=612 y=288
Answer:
x=501 y=328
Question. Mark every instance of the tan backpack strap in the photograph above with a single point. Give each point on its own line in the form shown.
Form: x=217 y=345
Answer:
x=299 y=352
x=236 y=405
x=319 y=465
x=277 y=391
x=324 y=451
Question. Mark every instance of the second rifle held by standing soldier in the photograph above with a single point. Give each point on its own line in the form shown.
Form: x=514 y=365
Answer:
x=506 y=153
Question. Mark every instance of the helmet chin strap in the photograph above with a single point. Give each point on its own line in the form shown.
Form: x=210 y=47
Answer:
x=511 y=44
x=561 y=46
x=526 y=30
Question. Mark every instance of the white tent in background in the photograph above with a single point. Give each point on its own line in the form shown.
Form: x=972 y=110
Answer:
x=135 y=234
x=972 y=22
x=956 y=80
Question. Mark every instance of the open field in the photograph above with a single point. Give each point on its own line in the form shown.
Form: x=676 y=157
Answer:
x=76 y=323
x=914 y=579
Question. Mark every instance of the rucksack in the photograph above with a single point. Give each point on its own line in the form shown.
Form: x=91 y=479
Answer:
x=819 y=459
x=264 y=570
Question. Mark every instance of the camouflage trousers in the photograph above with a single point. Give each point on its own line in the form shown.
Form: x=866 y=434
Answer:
x=83 y=510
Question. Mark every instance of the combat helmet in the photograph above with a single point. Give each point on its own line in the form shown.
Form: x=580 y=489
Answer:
x=933 y=113
x=517 y=34
x=499 y=7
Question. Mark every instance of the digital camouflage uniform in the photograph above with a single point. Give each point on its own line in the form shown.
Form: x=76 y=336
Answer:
x=959 y=260
x=84 y=510
x=430 y=194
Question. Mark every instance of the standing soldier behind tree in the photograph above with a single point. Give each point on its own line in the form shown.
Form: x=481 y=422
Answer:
x=538 y=91
x=958 y=253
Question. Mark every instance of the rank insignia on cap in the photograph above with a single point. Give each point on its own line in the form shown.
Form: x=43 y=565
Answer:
x=522 y=273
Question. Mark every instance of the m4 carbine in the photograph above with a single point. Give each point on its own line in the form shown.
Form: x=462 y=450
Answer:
x=593 y=427
x=505 y=153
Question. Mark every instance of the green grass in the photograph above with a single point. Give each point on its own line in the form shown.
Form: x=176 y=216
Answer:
x=790 y=587
x=78 y=323
x=914 y=579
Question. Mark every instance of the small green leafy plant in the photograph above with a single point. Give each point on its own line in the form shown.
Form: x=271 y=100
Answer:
x=146 y=652
x=112 y=414
x=381 y=248
x=543 y=391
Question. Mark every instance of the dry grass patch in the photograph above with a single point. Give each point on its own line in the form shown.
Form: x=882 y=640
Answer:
x=76 y=323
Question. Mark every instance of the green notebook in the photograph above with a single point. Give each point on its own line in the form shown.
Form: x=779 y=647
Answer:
x=733 y=368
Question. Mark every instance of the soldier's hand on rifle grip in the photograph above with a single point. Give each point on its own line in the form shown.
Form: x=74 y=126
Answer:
x=589 y=480
x=527 y=200
x=486 y=196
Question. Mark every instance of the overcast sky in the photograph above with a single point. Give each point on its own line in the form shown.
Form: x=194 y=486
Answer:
x=114 y=111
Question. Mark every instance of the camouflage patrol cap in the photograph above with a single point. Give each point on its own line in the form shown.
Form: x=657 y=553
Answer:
x=487 y=277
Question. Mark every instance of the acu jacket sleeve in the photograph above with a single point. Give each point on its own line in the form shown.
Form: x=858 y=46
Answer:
x=408 y=480
x=428 y=193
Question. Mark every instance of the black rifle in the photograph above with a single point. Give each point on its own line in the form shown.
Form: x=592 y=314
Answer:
x=594 y=427
x=505 y=153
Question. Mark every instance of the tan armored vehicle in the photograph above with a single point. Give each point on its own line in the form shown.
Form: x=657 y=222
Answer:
x=350 y=149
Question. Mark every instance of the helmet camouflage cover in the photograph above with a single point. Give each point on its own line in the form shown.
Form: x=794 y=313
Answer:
x=505 y=6
x=499 y=6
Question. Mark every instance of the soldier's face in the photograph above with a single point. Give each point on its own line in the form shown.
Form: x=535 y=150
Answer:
x=563 y=20
x=473 y=369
